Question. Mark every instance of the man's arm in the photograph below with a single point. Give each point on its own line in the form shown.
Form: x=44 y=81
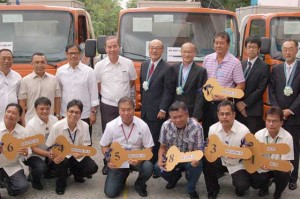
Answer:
x=23 y=103
x=240 y=86
x=57 y=101
x=161 y=152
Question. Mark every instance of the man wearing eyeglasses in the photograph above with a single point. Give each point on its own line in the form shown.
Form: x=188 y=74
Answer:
x=37 y=84
x=40 y=158
x=76 y=132
x=9 y=81
x=157 y=91
x=230 y=132
x=78 y=81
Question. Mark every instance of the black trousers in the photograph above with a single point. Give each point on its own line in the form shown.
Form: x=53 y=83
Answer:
x=254 y=123
x=209 y=116
x=108 y=113
x=84 y=168
x=241 y=179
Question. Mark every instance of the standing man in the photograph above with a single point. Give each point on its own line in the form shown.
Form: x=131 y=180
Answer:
x=38 y=84
x=228 y=71
x=115 y=76
x=157 y=91
x=186 y=134
x=77 y=132
x=256 y=72
x=273 y=133
x=11 y=171
x=78 y=81
x=40 y=159
x=9 y=81
x=230 y=132
x=133 y=134
x=189 y=79
x=284 y=92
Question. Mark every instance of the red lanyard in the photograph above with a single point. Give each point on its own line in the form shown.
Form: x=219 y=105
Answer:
x=127 y=138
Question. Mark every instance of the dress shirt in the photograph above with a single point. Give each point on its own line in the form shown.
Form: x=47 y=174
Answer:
x=78 y=83
x=282 y=137
x=115 y=79
x=228 y=73
x=37 y=126
x=12 y=166
x=289 y=68
x=188 y=139
x=9 y=87
x=232 y=138
x=61 y=127
x=32 y=87
x=139 y=138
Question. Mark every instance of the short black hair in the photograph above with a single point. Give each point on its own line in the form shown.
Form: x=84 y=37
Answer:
x=126 y=99
x=223 y=35
x=292 y=40
x=274 y=110
x=42 y=101
x=20 y=110
x=38 y=54
x=5 y=49
x=253 y=40
x=75 y=102
x=178 y=105
x=226 y=103
x=71 y=46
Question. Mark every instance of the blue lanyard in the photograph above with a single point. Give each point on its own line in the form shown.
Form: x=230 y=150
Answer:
x=181 y=77
x=73 y=140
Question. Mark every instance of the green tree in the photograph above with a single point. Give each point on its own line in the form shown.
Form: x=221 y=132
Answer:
x=104 y=14
x=131 y=4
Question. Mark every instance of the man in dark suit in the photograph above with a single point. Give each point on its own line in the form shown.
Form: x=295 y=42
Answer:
x=157 y=91
x=256 y=72
x=189 y=79
x=284 y=92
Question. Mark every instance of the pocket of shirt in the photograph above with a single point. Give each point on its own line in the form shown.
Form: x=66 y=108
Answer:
x=122 y=77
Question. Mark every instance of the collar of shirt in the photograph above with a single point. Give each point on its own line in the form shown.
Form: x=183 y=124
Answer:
x=17 y=129
x=41 y=122
x=279 y=135
x=252 y=61
x=35 y=75
x=79 y=66
x=9 y=73
x=66 y=126
x=234 y=129
x=107 y=61
x=120 y=122
x=187 y=67
x=155 y=63
x=225 y=59
x=292 y=65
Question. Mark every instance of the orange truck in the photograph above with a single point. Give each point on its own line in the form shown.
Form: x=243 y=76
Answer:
x=173 y=26
x=26 y=29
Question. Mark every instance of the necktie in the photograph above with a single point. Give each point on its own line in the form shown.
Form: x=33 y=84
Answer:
x=151 y=70
x=248 y=68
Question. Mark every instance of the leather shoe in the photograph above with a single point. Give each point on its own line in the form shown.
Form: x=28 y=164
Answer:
x=173 y=184
x=37 y=185
x=105 y=170
x=155 y=176
x=194 y=195
x=142 y=192
x=277 y=194
x=212 y=195
x=89 y=176
x=263 y=193
x=239 y=193
x=60 y=190
x=79 y=179
x=292 y=185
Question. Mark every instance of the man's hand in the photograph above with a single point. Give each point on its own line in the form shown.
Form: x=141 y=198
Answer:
x=23 y=151
x=135 y=162
x=195 y=163
x=218 y=97
x=92 y=118
x=58 y=159
x=111 y=165
x=76 y=155
x=161 y=115
x=1 y=147
x=50 y=155
x=241 y=106
x=286 y=113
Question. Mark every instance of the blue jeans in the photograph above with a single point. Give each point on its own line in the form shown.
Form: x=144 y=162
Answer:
x=116 y=178
x=192 y=174
x=17 y=183
x=37 y=168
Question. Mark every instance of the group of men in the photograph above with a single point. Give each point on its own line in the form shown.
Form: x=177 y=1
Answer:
x=172 y=92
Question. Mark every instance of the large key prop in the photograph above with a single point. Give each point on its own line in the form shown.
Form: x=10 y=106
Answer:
x=11 y=145
x=215 y=149
x=174 y=156
x=212 y=87
x=63 y=148
x=117 y=155
x=257 y=159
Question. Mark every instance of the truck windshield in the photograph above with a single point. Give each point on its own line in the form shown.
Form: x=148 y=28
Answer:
x=36 y=31
x=283 y=28
x=174 y=29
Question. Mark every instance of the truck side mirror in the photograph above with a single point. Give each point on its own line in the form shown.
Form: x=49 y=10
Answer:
x=265 y=45
x=101 y=44
x=90 y=48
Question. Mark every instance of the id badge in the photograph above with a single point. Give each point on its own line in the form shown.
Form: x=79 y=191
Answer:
x=220 y=74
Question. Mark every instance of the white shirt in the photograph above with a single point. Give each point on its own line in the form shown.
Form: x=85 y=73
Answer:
x=80 y=135
x=115 y=79
x=37 y=126
x=32 y=87
x=12 y=166
x=140 y=136
x=282 y=137
x=79 y=83
x=232 y=138
x=9 y=87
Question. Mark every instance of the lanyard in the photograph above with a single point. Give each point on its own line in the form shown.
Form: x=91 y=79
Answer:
x=73 y=140
x=181 y=77
x=275 y=139
x=127 y=138
x=147 y=77
x=289 y=81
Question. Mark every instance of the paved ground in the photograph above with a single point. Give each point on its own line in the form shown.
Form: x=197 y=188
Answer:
x=93 y=188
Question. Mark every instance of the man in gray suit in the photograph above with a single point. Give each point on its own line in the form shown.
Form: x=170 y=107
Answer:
x=157 y=91
x=189 y=79
x=256 y=72
x=284 y=92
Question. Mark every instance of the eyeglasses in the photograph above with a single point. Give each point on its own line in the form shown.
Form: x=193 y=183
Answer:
x=225 y=114
x=44 y=109
x=252 y=47
x=9 y=59
x=39 y=62
x=155 y=48
x=74 y=112
x=73 y=53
